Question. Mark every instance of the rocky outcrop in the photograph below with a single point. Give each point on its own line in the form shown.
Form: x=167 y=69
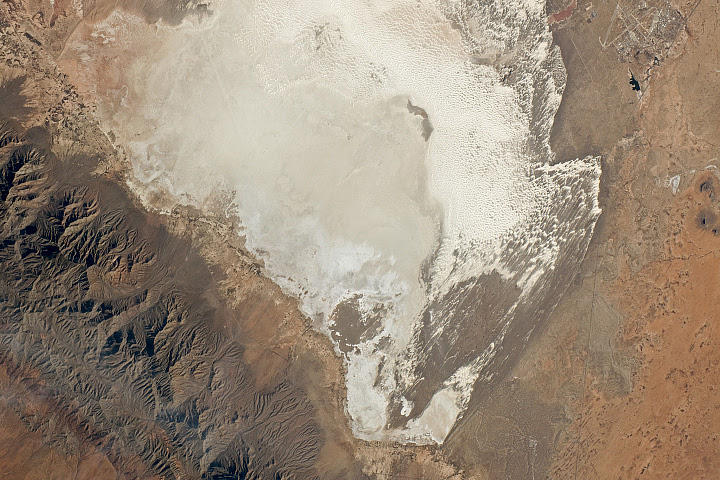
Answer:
x=110 y=319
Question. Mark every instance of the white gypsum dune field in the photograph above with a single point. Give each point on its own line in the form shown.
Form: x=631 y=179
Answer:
x=388 y=160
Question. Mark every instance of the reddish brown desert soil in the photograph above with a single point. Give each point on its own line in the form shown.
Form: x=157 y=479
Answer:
x=656 y=260
x=622 y=382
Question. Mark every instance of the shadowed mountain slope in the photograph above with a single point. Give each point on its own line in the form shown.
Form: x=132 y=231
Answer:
x=111 y=320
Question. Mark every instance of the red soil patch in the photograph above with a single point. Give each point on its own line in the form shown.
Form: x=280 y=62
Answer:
x=563 y=14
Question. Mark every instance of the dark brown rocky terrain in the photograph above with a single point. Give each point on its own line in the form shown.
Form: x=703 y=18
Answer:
x=101 y=321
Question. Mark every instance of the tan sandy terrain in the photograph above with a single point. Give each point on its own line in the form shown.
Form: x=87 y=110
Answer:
x=655 y=262
x=624 y=377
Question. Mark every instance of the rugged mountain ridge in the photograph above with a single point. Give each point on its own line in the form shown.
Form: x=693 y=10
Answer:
x=119 y=335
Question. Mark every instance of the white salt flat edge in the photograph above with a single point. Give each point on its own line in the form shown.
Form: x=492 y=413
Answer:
x=190 y=124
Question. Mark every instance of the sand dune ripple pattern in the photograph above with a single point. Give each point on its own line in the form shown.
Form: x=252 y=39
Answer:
x=389 y=162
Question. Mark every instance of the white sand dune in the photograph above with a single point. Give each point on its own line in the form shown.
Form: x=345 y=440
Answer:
x=301 y=108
